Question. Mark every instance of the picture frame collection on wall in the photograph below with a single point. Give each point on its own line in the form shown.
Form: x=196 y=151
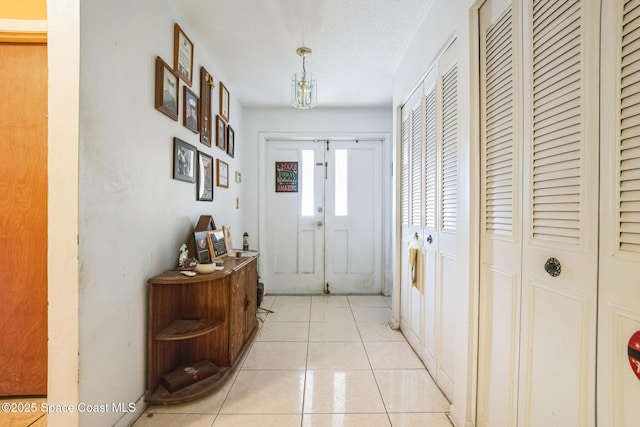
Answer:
x=190 y=164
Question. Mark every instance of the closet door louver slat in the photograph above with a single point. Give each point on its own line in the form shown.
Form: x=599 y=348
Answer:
x=430 y=168
x=556 y=117
x=449 y=149
x=416 y=162
x=629 y=144
x=498 y=131
x=404 y=184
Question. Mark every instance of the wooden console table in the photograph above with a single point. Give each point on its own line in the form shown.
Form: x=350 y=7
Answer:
x=208 y=317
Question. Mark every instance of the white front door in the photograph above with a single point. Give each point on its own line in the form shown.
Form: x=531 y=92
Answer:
x=353 y=217
x=294 y=247
x=323 y=216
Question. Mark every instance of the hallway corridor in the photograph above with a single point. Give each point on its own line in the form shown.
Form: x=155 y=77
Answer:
x=319 y=361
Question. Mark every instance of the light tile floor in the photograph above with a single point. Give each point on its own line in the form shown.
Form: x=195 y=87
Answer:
x=319 y=361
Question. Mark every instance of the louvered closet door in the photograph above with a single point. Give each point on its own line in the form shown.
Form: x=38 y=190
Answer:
x=501 y=223
x=431 y=218
x=558 y=338
x=447 y=170
x=412 y=316
x=429 y=148
x=619 y=289
x=404 y=214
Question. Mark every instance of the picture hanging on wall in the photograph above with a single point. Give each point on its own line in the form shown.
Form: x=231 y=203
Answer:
x=182 y=55
x=167 y=89
x=205 y=177
x=224 y=102
x=190 y=110
x=220 y=133
x=222 y=174
x=184 y=161
x=230 y=141
x=206 y=85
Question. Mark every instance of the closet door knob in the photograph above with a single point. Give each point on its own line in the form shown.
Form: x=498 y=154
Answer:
x=429 y=239
x=553 y=267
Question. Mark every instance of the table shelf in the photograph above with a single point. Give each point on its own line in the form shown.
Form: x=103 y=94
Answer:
x=183 y=329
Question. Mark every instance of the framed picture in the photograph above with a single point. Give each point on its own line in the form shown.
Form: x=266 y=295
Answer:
x=184 y=161
x=206 y=84
x=230 y=141
x=217 y=245
x=190 y=110
x=202 y=247
x=227 y=237
x=182 y=55
x=224 y=102
x=222 y=174
x=220 y=133
x=167 y=89
x=286 y=177
x=205 y=176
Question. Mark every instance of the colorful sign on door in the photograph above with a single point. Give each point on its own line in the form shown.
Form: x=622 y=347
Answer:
x=286 y=177
x=633 y=351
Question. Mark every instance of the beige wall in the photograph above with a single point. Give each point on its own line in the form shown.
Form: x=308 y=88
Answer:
x=24 y=9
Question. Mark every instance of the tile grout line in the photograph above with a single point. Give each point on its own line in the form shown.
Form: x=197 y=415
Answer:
x=384 y=405
x=306 y=364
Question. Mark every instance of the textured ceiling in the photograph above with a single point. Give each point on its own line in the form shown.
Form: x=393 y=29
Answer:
x=356 y=44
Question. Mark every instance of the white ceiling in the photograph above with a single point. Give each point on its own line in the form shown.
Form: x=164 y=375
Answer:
x=356 y=44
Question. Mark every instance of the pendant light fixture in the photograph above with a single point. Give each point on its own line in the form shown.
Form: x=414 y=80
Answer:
x=303 y=90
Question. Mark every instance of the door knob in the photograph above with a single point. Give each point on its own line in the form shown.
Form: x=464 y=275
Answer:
x=429 y=239
x=553 y=267
x=319 y=223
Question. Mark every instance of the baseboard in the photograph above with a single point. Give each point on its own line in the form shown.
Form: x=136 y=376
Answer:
x=128 y=418
x=458 y=419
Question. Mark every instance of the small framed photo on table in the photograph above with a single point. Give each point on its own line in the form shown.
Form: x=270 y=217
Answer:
x=217 y=245
x=202 y=247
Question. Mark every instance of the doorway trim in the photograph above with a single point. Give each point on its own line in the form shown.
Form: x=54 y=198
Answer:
x=264 y=137
x=23 y=31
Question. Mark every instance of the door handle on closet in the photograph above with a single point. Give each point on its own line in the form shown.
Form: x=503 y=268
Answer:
x=553 y=267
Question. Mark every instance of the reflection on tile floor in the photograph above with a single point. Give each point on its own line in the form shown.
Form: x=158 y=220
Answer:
x=319 y=361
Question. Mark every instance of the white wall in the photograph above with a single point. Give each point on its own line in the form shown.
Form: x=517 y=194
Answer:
x=321 y=123
x=446 y=20
x=132 y=215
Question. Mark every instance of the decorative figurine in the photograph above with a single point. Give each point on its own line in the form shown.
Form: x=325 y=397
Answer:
x=184 y=256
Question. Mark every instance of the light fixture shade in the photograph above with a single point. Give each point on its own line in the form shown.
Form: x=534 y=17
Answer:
x=304 y=91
